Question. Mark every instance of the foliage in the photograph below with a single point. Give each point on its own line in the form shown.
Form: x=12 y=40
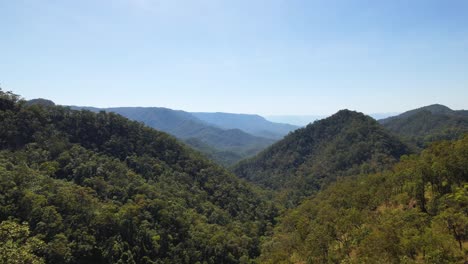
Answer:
x=84 y=187
x=428 y=124
x=307 y=159
x=226 y=146
x=225 y=158
x=98 y=188
x=17 y=246
x=417 y=212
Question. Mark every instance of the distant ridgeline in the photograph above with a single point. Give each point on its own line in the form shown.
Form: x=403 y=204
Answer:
x=84 y=187
x=225 y=138
x=428 y=124
x=346 y=143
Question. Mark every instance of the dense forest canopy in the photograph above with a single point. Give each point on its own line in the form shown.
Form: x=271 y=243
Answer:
x=81 y=187
x=428 y=124
x=344 y=144
x=417 y=212
x=225 y=145
x=86 y=187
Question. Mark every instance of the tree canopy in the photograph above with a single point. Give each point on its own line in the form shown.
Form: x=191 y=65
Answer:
x=97 y=188
x=344 y=144
x=416 y=212
x=85 y=187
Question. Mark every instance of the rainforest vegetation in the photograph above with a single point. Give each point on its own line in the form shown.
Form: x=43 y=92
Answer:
x=86 y=187
x=81 y=187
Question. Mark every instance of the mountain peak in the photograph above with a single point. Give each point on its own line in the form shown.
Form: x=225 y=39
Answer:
x=40 y=101
x=427 y=124
x=346 y=113
x=344 y=117
x=436 y=108
x=313 y=156
x=433 y=109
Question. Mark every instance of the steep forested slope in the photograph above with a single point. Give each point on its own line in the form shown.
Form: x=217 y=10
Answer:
x=231 y=144
x=417 y=212
x=344 y=144
x=427 y=124
x=223 y=157
x=81 y=187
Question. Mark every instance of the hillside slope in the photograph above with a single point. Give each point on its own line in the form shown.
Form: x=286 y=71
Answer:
x=344 y=144
x=427 y=124
x=417 y=212
x=233 y=143
x=81 y=187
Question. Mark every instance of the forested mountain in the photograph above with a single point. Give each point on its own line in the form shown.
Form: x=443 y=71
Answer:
x=84 y=187
x=303 y=120
x=344 y=144
x=87 y=187
x=417 y=212
x=40 y=101
x=226 y=146
x=253 y=124
x=427 y=124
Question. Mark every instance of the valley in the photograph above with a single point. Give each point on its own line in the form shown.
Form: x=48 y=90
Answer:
x=222 y=137
x=81 y=186
x=233 y=132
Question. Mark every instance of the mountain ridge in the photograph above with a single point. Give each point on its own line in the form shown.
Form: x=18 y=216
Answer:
x=185 y=126
x=433 y=108
x=424 y=125
x=95 y=188
x=345 y=143
x=253 y=124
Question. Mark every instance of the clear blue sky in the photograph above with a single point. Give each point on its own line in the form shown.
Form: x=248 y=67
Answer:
x=243 y=56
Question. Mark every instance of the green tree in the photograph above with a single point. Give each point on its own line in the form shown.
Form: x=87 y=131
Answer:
x=17 y=246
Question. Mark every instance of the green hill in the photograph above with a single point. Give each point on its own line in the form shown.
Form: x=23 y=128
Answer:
x=344 y=144
x=87 y=187
x=428 y=124
x=417 y=212
x=232 y=143
x=84 y=187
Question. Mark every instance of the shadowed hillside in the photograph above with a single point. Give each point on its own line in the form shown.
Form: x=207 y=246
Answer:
x=417 y=212
x=232 y=144
x=84 y=187
x=344 y=144
x=427 y=124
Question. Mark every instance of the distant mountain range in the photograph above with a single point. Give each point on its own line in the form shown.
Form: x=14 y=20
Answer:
x=427 y=124
x=253 y=124
x=226 y=138
x=298 y=120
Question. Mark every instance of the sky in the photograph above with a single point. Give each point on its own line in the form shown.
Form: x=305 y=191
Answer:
x=269 y=57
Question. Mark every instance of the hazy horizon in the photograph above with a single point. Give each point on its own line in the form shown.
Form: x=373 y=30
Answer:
x=258 y=57
x=293 y=119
